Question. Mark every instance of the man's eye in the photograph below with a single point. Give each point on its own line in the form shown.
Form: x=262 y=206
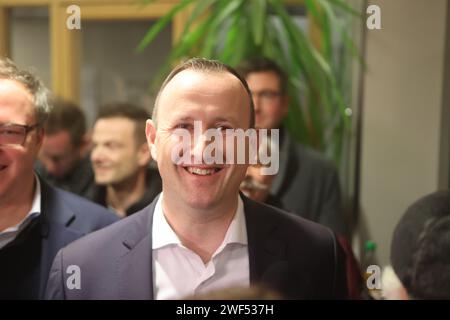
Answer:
x=186 y=126
x=222 y=128
x=269 y=94
x=7 y=132
x=112 y=145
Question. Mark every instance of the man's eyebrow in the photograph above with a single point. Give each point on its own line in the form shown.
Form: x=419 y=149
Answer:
x=231 y=120
x=184 y=118
x=106 y=141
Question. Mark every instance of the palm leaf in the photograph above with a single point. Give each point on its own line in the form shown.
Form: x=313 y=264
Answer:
x=231 y=30
x=161 y=24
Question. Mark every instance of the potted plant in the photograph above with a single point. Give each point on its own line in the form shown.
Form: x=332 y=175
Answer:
x=232 y=30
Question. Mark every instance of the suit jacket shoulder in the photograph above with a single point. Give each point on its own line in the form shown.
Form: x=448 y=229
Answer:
x=88 y=216
x=292 y=255
x=107 y=259
x=308 y=185
x=297 y=257
x=65 y=217
x=314 y=158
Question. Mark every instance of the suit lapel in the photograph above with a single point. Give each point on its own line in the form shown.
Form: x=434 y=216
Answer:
x=135 y=264
x=267 y=252
x=266 y=249
x=55 y=232
x=283 y=173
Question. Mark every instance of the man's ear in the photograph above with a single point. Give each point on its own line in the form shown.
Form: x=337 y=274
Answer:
x=40 y=134
x=285 y=105
x=144 y=155
x=85 y=144
x=150 y=133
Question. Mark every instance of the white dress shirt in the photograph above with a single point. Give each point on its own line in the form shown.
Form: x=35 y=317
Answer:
x=179 y=272
x=8 y=235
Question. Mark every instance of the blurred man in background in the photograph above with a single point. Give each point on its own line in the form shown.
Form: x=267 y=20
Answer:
x=121 y=158
x=64 y=160
x=306 y=184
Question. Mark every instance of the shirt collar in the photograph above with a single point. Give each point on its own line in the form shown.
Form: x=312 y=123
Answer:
x=163 y=234
x=34 y=211
x=36 y=205
x=237 y=231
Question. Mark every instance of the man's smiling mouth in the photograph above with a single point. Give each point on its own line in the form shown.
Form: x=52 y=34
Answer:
x=202 y=171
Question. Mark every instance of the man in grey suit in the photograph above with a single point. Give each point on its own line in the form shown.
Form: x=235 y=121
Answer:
x=200 y=234
x=307 y=184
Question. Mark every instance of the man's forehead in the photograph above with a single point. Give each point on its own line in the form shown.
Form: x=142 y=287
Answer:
x=213 y=82
x=114 y=126
x=57 y=143
x=62 y=135
x=13 y=89
x=118 y=120
x=264 y=75
x=18 y=100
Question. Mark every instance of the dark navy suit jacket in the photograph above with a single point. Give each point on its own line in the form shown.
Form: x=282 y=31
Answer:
x=307 y=184
x=299 y=258
x=65 y=217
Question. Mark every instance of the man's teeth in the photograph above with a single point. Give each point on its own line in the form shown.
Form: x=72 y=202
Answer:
x=202 y=172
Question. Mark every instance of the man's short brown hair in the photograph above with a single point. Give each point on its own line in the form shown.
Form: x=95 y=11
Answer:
x=205 y=65
x=261 y=64
x=129 y=111
x=66 y=116
x=10 y=71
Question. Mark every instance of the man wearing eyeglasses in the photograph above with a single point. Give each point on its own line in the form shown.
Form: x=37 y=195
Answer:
x=306 y=184
x=35 y=219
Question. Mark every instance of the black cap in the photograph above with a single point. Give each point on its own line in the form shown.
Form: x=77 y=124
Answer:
x=420 y=248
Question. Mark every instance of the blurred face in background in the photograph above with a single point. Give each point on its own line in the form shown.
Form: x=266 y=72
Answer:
x=255 y=185
x=59 y=155
x=271 y=105
x=17 y=160
x=116 y=156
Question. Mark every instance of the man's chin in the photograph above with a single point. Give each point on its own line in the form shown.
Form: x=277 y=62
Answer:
x=202 y=202
x=59 y=176
x=103 y=182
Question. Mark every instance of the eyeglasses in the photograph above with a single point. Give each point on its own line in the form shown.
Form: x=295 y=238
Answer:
x=266 y=95
x=14 y=134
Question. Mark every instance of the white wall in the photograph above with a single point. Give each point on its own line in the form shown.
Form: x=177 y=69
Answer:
x=111 y=69
x=30 y=40
x=401 y=113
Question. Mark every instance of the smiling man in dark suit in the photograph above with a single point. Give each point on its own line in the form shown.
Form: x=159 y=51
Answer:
x=36 y=220
x=200 y=234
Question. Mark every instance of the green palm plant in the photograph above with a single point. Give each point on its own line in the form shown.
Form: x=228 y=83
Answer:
x=233 y=30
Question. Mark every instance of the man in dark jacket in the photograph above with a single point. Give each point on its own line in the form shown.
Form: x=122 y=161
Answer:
x=120 y=158
x=36 y=220
x=200 y=234
x=64 y=156
x=307 y=184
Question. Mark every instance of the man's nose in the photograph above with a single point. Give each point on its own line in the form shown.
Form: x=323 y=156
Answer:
x=199 y=145
x=52 y=166
x=256 y=102
x=96 y=155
